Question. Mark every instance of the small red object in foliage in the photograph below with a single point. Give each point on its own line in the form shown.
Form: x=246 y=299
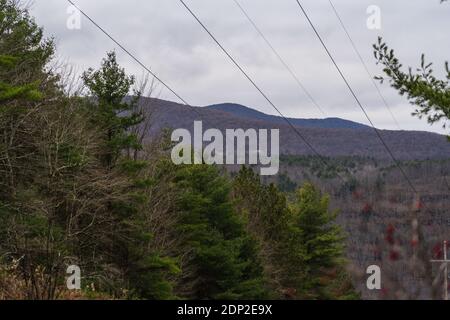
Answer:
x=437 y=251
x=390 y=234
x=356 y=195
x=367 y=208
x=390 y=239
x=414 y=243
x=390 y=229
x=419 y=205
x=394 y=255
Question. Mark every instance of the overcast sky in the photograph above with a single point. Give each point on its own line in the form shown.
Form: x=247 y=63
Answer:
x=168 y=40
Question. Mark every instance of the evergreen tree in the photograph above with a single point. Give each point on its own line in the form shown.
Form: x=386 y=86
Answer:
x=24 y=54
x=223 y=263
x=268 y=215
x=144 y=270
x=264 y=206
x=114 y=113
x=9 y=92
x=46 y=162
x=317 y=241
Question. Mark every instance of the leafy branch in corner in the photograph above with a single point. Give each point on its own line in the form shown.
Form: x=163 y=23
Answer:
x=422 y=88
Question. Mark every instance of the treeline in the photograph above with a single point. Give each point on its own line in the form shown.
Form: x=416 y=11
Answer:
x=80 y=186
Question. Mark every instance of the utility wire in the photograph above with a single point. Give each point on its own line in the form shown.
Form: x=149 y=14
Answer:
x=341 y=22
x=134 y=58
x=377 y=87
x=241 y=69
x=356 y=99
x=178 y=95
x=283 y=62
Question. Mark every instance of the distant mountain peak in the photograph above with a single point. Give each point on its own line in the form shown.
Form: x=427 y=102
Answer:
x=249 y=113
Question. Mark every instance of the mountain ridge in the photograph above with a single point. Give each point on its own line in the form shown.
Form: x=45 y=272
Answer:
x=329 y=142
x=247 y=112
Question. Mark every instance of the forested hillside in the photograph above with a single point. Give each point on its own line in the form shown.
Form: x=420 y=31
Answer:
x=337 y=141
x=386 y=224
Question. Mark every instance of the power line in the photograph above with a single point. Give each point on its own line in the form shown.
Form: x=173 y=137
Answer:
x=287 y=67
x=377 y=88
x=134 y=57
x=178 y=95
x=356 y=98
x=241 y=69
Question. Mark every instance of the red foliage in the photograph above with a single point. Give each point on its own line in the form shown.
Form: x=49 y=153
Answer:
x=414 y=243
x=390 y=229
x=394 y=255
x=390 y=234
x=419 y=205
x=390 y=239
x=356 y=195
x=437 y=251
x=367 y=208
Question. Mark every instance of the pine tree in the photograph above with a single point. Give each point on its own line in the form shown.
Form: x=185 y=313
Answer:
x=223 y=263
x=114 y=113
x=317 y=241
x=24 y=53
x=266 y=211
x=47 y=162
x=9 y=92
x=145 y=272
